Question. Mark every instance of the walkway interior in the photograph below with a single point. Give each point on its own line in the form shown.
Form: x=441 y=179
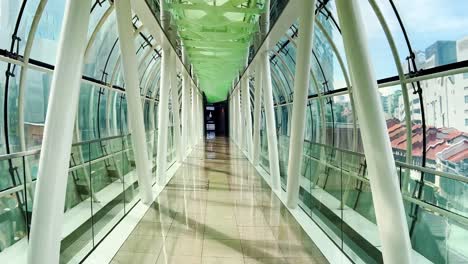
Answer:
x=218 y=209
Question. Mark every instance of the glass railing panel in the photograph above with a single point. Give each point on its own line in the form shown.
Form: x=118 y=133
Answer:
x=335 y=192
x=320 y=190
x=11 y=173
x=170 y=143
x=13 y=220
x=77 y=231
x=101 y=186
x=283 y=154
x=437 y=214
x=360 y=233
x=130 y=182
x=16 y=196
x=107 y=188
x=264 y=158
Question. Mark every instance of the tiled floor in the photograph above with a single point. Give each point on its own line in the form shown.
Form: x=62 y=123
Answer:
x=217 y=209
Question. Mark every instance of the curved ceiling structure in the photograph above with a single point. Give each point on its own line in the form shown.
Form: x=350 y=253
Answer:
x=216 y=35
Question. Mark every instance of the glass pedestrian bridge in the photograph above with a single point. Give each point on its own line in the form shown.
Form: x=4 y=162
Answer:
x=233 y=131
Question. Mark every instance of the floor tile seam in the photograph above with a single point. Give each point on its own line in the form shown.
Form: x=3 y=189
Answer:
x=164 y=236
x=259 y=176
x=204 y=224
x=133 y=252
x=240 y=240
x=264 y=216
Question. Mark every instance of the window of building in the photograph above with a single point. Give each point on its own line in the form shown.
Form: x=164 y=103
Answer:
x=466 y=99
x=465 y=76
x=466 y=121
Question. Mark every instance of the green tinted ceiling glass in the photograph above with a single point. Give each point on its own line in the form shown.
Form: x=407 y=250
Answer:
x=216 y=35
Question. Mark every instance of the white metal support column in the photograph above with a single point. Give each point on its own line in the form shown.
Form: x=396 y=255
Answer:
x=239 y=120
x=175 y=107
x=301 y=87
x=135 y=110
x=49 y=199
x=247 y=115
x=163 y=116
x=234 y=123
x=388 y=202
x=199 y=121
x=202 y=118
x=270 y=122
x=196 y=118
x=257 y=113
x=186 y=120
x=163 y=106
x=230 y=115
x=240 y=131
x=231 y=118
x=193 y=133
x=242 y=142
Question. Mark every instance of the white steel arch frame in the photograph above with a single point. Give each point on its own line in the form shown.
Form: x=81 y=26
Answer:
x=33 y=65
x=401 y=80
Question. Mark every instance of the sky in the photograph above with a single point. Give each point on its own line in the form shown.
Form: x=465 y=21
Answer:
x=426 y=21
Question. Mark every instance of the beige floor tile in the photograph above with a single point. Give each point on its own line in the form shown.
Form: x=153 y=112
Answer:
x=256 y=233
x=142 y=244
x=164 y=259
x=153 y=215
x=123 y=257
x=220 y=260
x=187 y=229
x=265 y=261
x=289 y=233
x=217 y=209
x=307 y=260
x=225 y=232
x=220 y=220
x=182 y=246
x=150 y=229
x=299 y=249
x=222 y=248
x=261 y=249
x=251 y=220
x=182 y=218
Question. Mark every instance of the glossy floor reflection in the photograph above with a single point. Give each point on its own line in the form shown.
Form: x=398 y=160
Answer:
x=217 y=209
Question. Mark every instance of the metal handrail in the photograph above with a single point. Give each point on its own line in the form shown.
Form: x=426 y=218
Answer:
x=20 y=154
x=38 y=150
x=432 y=171
x=98 y=140
x=402 y=164
x=428 y=206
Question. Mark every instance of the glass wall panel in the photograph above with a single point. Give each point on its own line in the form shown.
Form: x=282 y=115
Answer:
x=16 y=14
x=264 y=158
x=437 y=34
x=35 y=107
x=104 y=51
x=48 y=31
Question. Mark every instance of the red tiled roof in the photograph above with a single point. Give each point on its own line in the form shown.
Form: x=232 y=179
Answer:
x=394 y=127
x=462 y=155
x=434 y=149
x=435 y=144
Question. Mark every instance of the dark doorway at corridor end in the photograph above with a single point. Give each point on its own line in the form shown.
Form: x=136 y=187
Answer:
x=216 y=120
